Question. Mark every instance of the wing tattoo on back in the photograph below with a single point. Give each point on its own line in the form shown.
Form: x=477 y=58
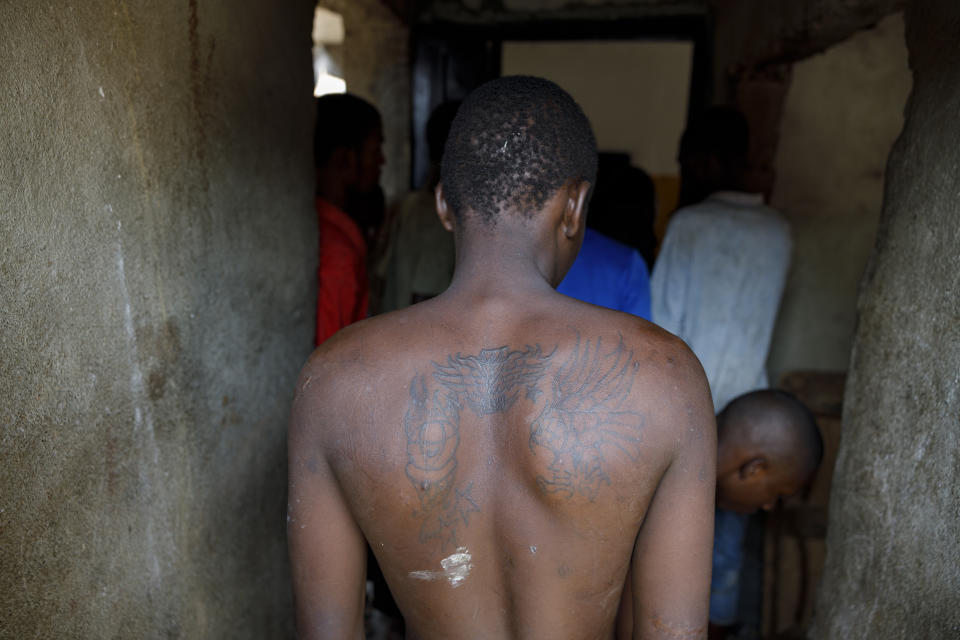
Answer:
x=486 y=383
x=584 y=422
x=490 y=382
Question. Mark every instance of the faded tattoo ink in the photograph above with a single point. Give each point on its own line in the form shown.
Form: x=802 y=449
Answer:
x=432 y=427
x=583 y=420
x=487 y=383
x=491 y=381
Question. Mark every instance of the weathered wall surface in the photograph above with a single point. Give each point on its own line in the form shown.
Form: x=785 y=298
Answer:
x=376 y=67
x=755 y=44
x=157 y=246
x=755 y=33
x=892 y=543
x=829 y=183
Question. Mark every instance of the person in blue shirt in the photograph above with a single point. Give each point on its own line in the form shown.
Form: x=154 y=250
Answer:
x=612 y=269
x=768 y=447
x=609 y=274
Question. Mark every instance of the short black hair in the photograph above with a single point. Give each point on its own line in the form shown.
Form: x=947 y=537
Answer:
x=514 y=142
x=343 y=121
x=719 y=131
x=759 y=415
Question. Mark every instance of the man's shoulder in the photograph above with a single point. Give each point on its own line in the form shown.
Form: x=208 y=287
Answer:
x=679 y=368
x=666 y=359
x=360 y=343
x=341 y=380
x=718 y=222
x=730 y=206
x=668 y=386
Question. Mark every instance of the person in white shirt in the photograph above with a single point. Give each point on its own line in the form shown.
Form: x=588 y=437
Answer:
x=720 y=274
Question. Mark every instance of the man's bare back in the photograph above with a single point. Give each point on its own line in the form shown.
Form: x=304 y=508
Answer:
x=509 y=454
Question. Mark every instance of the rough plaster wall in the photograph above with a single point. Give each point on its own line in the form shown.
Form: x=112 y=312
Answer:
x=755 y=44
x=892 y=544
x=157 y=246
x=829 y=183
x=376 y=67
x=754 y=33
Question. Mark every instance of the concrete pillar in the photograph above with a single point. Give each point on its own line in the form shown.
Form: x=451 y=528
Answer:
x=157 y=250
x=892 y=566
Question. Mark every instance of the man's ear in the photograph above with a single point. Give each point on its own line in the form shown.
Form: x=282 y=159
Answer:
x=575 y=209
x=443 y=211
x=754 y=468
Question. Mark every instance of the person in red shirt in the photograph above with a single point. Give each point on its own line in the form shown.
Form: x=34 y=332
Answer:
x=347 y=148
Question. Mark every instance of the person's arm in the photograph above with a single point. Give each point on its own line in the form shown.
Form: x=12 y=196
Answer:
x=327 y=550
x=672 y=555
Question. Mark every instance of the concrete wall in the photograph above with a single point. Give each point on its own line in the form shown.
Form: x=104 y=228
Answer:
x=376 y=67
x=157 y=247
x=892 y=543
x=752 y=34
x=842 y=112
x=756 y=43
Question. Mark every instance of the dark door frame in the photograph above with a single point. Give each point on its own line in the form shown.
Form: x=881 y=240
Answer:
x=450 y=59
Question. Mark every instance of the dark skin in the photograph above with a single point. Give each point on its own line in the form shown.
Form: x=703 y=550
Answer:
x=752 y=474
x=508 y=453
x=351 y=169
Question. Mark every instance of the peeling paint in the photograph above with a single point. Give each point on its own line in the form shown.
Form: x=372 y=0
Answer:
x=455 y=568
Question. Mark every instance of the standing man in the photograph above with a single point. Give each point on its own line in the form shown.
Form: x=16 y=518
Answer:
x=720 y=274
x=347 y=150
x=508 y=452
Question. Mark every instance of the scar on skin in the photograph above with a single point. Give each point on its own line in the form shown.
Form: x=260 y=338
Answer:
x=456 y=568
x=563 y=571
x=306 y=383
x=680 y=631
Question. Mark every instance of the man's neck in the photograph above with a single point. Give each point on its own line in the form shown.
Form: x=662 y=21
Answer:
x=501 y=263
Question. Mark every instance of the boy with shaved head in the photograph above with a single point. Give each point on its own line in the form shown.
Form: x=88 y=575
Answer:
x=768 y=448
x=507 y=452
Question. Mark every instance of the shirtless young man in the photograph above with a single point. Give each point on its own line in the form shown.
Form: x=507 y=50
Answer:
x=507 y=452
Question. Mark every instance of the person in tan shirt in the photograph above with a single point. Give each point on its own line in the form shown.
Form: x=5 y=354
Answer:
x=507 y=452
